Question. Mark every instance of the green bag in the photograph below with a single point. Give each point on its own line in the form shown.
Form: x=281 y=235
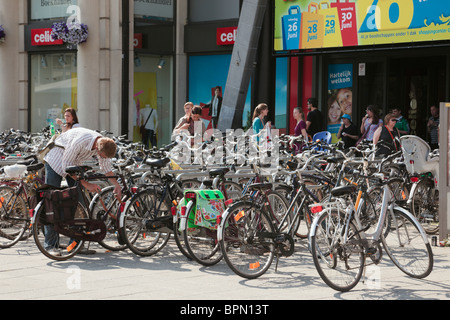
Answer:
x=209 y=205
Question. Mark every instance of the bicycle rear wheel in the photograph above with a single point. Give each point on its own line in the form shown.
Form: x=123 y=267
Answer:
x=52 y=244
x=340 y=264
x=14 y=219
x=144 y=210
x=246 y=239
x=406 y=244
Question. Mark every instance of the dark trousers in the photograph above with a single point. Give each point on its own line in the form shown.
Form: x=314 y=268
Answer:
x=214 y=120
x=149 y=136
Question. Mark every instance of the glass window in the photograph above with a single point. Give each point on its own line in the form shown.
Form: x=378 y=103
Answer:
x=53 y=87
x=281 y=93
x=159 y=10
x=153 y=99
x=209 y=10
x=52 y=9
x=202 y=83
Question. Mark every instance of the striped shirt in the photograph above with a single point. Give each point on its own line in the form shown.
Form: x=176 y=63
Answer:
x=76 y=148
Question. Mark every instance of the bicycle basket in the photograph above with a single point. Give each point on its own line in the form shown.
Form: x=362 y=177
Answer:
x=209 y=205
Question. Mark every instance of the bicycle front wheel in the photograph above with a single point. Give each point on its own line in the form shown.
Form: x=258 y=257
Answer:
x=103 y=204
x=405 y=242
x=52 y=244
x=339 y=262
x=14 y=219
x=246 y=239
x=147 y=217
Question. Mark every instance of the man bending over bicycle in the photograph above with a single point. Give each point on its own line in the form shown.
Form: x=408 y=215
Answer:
x=73 y=148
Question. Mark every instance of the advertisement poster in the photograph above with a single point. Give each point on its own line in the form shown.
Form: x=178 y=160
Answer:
x=340 y=83
x=307 y=24
x=145 y=95
x=205 y=73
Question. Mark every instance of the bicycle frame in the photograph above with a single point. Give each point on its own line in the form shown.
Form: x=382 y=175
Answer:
x=301 y=190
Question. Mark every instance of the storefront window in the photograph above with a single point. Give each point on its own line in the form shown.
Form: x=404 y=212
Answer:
x=53 y=87
x=202 y=83
x=281 y=93
x=153 y=99
x=210 y=10
x=52 y=9
x=159 y=10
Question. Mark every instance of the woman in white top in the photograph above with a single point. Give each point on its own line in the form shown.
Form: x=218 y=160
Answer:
x=71 y=120
x=371 y=122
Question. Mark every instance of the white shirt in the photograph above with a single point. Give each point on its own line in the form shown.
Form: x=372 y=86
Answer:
x=214 y=106
x=152 y=123
x=78 y=144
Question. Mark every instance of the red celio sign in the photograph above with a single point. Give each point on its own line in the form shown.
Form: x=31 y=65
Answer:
x=226 y=36
x=43 y=37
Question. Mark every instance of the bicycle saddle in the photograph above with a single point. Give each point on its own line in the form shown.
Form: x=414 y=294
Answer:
x=340 y=191
x=35 y=167
x=157 y=163
x=218 y=172
x=336 y=160
x=260 y=186
x=207 y=183
x=77 y=169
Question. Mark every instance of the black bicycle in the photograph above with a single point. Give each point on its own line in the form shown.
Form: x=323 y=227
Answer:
x=248 y=237
x=63 y=221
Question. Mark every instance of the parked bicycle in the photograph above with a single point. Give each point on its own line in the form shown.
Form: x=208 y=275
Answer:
x=62 y=223
x=250 y=234
x=343 y=236
x=15 y=202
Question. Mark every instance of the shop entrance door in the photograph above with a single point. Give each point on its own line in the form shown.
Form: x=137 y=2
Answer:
x=415 y=84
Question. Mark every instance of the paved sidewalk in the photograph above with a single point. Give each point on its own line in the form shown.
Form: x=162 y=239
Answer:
x=26 y=274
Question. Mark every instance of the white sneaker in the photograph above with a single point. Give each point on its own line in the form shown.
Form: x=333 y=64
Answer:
x=55 y=252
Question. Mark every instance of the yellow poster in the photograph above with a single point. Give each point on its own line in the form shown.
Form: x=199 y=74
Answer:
x=74 y=101
x=145 y=93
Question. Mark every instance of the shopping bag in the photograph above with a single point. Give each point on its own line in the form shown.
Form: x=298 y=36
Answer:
x=332 y=30
x=347 y=21
x=291 y=28
x=312 y=30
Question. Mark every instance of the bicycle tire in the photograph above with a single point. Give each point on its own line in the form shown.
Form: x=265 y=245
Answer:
x=201 y=243
x=179 y=239
x=233 y=190
x=65 y=248
x=424 y=207
x=138 y=211
x=110 y=242
x=407 y=245
x=279 y=207
x=14 y=220
x=340 y=266
x=246 y=239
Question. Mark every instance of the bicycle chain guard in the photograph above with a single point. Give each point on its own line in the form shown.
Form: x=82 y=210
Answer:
x=285 y=243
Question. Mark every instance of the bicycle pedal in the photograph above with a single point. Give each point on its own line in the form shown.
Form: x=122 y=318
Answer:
x=371 y=251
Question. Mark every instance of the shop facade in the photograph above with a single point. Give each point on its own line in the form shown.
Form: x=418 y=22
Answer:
x=125 y=66
x=391 y=54
x=156 y=55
